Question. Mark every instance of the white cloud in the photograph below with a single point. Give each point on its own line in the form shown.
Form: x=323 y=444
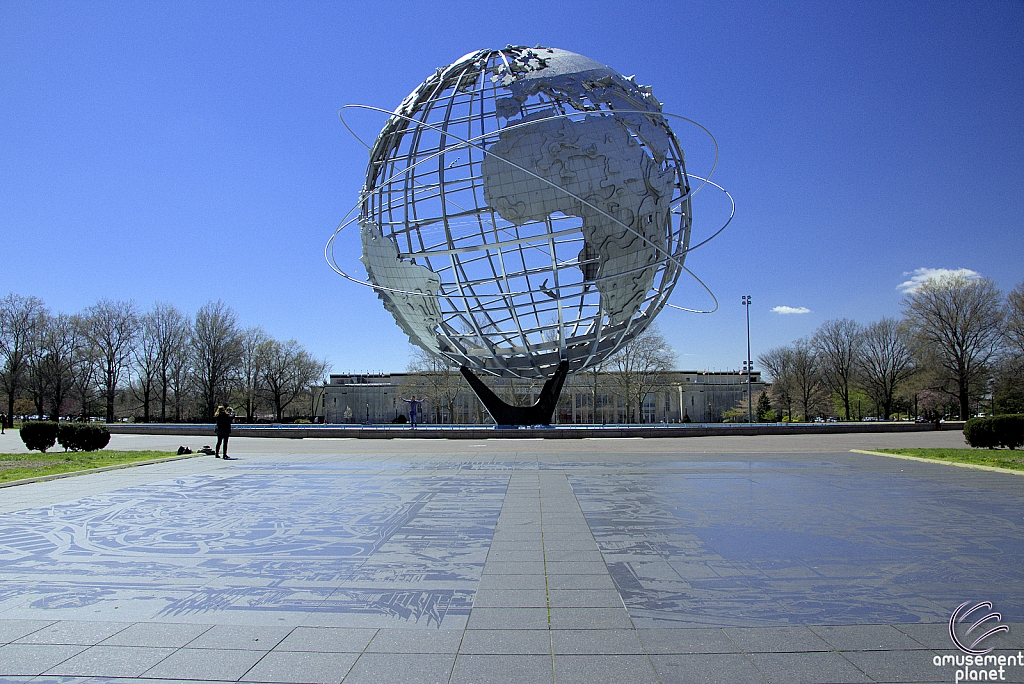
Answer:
x=921 y=276
x=791 y=310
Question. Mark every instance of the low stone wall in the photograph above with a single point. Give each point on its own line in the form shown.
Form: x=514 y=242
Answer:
x=555 y=432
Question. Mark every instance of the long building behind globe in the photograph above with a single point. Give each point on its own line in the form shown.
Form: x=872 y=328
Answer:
x=525 y=207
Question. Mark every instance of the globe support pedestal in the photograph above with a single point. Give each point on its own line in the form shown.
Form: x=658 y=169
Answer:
x=503 y=414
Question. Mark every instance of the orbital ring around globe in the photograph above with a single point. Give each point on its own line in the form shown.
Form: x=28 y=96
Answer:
x=552 y=239
x=461 y=144
x=473 y=142
x=346 y=222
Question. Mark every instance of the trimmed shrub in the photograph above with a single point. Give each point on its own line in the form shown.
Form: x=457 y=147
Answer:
x=39 y=435
x=99 y=437
x=998 y=431
x=83 y=436
x=1010 y=430
x=67 y=436
x=980 y=433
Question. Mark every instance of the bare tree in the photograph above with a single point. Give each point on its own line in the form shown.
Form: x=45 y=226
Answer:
x=251 y=367
x=806 y=373
x=1008 y=385
x=111 y=328
x=86 y=375
x=441 y=384
x=35 y=380
x=216 y=348
x=20 y=320
x=147 y=361
x=779 y=364
x=957 y=324
x=173 y=333
x=839 y=345
x=595 y=373
x=886 y=363
x=179 y=375
x=1015 y=320
x=62 y=344
x=639 y=368
x=289 y=371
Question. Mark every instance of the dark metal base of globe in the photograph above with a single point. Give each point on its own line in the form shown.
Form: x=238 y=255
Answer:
x=505 y=415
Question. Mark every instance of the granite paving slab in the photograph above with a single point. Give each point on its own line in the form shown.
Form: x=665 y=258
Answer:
x=295 y=667
x=500 y=668
x=507 y=562
x=111 y=661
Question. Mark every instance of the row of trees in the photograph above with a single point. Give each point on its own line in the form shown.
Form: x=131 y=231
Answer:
x=114 y=359
x=959 y=343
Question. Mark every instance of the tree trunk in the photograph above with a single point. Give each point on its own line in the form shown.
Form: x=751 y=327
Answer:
x=58 y=398
x=163 y=401
x=593 y=404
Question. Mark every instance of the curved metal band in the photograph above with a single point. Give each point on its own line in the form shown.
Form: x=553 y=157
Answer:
x=475 y=143
x=329 y=256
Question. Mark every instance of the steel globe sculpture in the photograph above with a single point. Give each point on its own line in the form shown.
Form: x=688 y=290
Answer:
x=525 y=210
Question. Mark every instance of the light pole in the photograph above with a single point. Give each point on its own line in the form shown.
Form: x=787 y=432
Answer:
x=750 y=398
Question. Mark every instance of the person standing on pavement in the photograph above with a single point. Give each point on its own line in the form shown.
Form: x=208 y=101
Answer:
x=3 y=423
x=222 y=417
x=414 y=405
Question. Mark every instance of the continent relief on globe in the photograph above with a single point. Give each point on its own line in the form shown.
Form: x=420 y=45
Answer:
x=625 y=194
x=418 y=316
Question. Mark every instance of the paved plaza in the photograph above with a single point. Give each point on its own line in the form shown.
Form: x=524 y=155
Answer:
x=712 y=559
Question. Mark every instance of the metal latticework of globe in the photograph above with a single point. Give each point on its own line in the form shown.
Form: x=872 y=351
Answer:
x=522 y=207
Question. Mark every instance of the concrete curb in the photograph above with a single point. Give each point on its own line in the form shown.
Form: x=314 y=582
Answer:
x=919 y=459
x=555 y=432
x=74 y=473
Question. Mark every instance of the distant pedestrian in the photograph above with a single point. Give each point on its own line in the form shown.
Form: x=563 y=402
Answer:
x=414 y=405
x=222 y=418
x=3 y=423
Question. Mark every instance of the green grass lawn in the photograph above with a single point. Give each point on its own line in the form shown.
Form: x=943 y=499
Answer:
x=999 y=458
x=36 y=464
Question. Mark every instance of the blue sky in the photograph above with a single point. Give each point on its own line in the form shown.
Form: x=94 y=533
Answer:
x=184 y=152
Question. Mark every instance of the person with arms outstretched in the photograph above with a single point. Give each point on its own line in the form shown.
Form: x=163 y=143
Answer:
x=414 y=404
